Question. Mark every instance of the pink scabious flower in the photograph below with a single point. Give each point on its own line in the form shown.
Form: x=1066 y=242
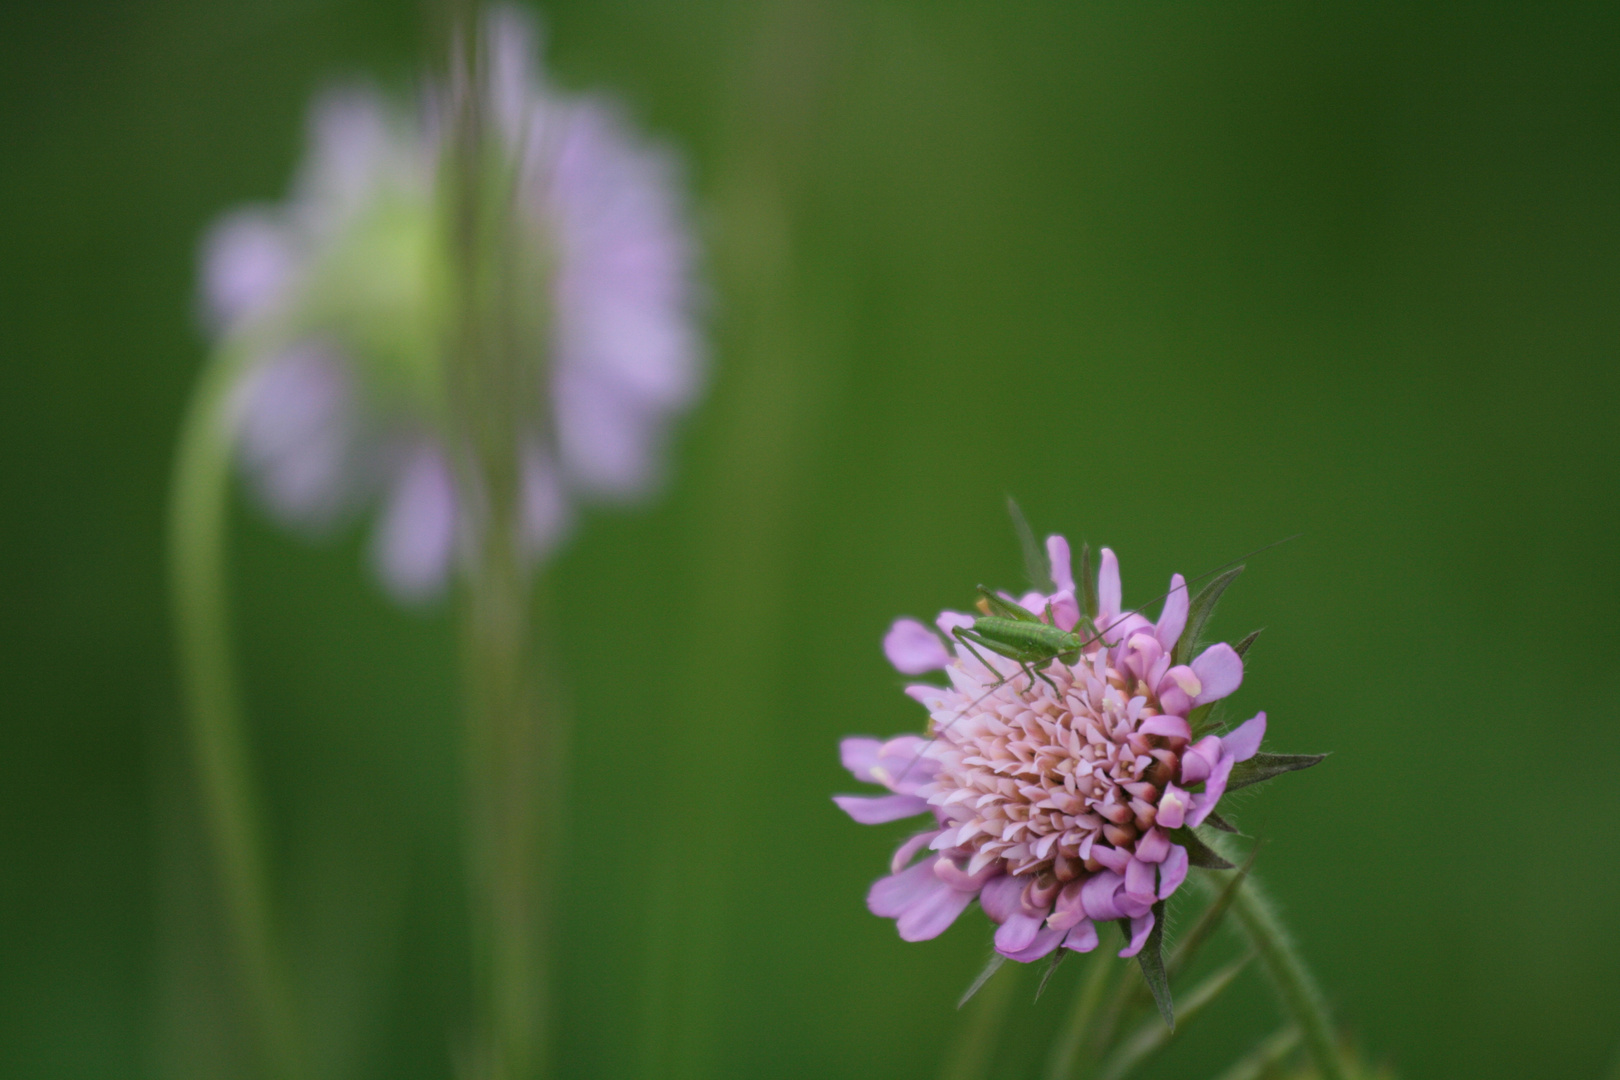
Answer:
x=1056 y=805
x=334 y=307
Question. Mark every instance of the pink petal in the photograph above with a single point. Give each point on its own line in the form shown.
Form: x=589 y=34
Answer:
x=1111 y=857
x=1171 y=726
x=890 y=896
x=1017 y=933
x=881 y=809
x=1141 y=926
x=1204 y=802
x=1173 y=871
x=1140 y=879
x=416 y=538
x=999 y=897
x=951 y=620
x=1173 y=806
x=1200 y=759
x=1220 y=670
x=1243 y=742
x=913 y=648
x=908 y=850
x=1068 y=910
x=1083 y=938
x=1173 y=619
x=1057 y=552
x=1153 y=847
x=1107 y=587
x=1046 y=939
x=933 y=914
x=1065 y=609
x=859 y=754
x=1097 y=896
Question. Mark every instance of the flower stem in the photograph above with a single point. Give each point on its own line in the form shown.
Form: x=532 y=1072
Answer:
x=1292 y=980
x=198 y=507
x=1065 y=1057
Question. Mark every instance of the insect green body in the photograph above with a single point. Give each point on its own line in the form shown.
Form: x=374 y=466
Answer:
x=1008 y=630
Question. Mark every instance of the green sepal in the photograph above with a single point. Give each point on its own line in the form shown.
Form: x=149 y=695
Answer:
x=1151 y=959
x=1036 y=565
x=1057 y=958
x=1263 y=767
x=1242 y=647
x=1215 y=821
x=1199 y=853
x=1088 y=583
x=1198 y=718
x=996 y=960
x=1198 y=613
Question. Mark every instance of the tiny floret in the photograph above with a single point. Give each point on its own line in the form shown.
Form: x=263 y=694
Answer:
x=1060 y=794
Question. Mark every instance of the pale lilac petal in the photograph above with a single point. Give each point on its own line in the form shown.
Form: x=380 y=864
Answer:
x=247 y=261
x=1069 y=909
x=1153 y=847
x=1204 y=802
x=1173 y=619
x=1200 y=759
x=545 y=508
x=1173 y=871
x=1140 y=879
x=858 y=755
x=1173 y=805
x=880 y=809
x=416 y=538
x=1098 y=896
x=933 y=914
x=1111 y=857
x=1083 y=938
x=1170 y=726
x=946 y=870
x=929 y=696
x=1141 y=926
x=1046 y=939
x=908 y=850
x=1017 y=933
x=913 y=648
x=295 y=424
x=890 y=896
x=1243 y=742
x=1065 y=609
x=1057 y=553
x=1220 y=671
x=1107 y=586
x=953 y=620
x=1000 y=895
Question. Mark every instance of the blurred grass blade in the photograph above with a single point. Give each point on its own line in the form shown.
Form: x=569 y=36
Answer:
x=1152 y=1036
x=969 y=1055
x=1262 y=1059
x=984 y=976
x=1036 y=566
x=1186 y=949
x=1063 y=1062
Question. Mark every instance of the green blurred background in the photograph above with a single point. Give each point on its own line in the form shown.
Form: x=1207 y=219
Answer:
x=1183 y=278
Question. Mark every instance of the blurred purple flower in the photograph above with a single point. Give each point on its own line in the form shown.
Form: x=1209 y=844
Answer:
x=334 y=306
x=1055 y=809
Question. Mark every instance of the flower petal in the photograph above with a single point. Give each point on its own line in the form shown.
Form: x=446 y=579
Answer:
x=890 y=896
x=1065 y=609
x=1244 y=741
x=1173 y=807
x=1097 y=896
x=1057 y=553
x=1141 y=926
x=859 y=754
x=1220 y=670
x=1173 y=619
x=1083 y=938
x=1173 y=871
x=908 y=850
x=999 y=897
x=416 y=538
x=1107 y=587
x=913 y=648
x=1172 y=726
x=880 y=809
x=1017 y=933
x=933 y=914
x=1214 y=788
x=1046 y=939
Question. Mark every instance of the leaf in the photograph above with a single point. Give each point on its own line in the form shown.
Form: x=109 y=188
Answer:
x=1198 y=852
x=1151 y=959
x=1036 y=566
x=996 y=960
x=1088 y=583
x=1151 y=1037
x=1215 y=821
x=1198 y=613
x=1242 y=647
x=1057 y=958
x=1263 y=767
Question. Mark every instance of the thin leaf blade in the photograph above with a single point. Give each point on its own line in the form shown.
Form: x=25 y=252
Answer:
x=1198 y=613
x=1263 y=767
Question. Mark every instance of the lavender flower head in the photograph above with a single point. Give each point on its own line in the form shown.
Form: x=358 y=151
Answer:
x=335 y=306
x=1060 y=805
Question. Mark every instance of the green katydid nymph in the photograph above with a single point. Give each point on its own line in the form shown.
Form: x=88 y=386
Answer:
x=1008 y=629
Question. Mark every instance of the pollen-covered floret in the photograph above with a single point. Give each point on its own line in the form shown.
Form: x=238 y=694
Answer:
x=1057 y=803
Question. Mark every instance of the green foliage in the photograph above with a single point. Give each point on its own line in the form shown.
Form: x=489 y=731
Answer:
x=1263 y=767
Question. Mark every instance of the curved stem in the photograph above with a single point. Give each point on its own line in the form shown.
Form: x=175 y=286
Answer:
x=1295 y=986
x=198 y=506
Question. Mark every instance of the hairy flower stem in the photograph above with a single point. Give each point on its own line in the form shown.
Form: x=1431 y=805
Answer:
x=1292 y=980
x=492 y=393
x=198 y=508
x=1065 y=1058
